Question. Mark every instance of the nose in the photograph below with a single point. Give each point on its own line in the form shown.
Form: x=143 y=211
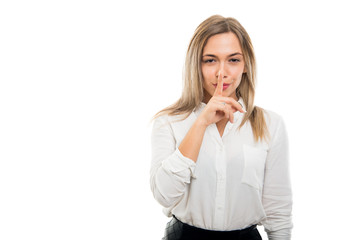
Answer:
x=222 y=71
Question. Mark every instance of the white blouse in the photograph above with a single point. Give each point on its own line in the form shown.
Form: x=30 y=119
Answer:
x=235 y=183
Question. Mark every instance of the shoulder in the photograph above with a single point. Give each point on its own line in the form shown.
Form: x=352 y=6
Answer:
x=272 y=117
x=273 y=120
x=172 y=120
x=169 y=119
x=276 y=125
x=176 y=125
x=161 y=122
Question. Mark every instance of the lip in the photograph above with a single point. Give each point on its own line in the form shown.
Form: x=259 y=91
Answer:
x=225 y=85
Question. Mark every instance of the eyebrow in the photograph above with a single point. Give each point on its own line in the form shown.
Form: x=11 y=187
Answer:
x=231 y=55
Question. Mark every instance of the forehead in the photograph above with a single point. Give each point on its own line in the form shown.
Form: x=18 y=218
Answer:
x=223 y=43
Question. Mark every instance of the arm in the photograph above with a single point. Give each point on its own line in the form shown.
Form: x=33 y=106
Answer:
x=171 y=170
x=277 y=194
x=190 y=146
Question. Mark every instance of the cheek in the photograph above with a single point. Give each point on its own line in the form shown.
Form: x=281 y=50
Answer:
x=237 y=75
x=207 y=73
x=237 y=72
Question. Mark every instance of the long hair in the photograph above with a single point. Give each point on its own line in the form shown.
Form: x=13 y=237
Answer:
x=192 y=94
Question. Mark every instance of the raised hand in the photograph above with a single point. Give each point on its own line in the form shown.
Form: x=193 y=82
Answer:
x=219 y=106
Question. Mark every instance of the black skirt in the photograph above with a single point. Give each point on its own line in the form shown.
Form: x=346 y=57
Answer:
x=177 y=230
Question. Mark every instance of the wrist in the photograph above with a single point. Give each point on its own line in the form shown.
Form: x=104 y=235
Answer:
x=201 y=123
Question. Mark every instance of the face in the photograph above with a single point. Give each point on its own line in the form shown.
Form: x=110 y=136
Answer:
x=222 y=53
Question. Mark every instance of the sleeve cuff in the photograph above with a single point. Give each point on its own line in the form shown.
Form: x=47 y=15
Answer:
x=283 y=234
x=179 y=163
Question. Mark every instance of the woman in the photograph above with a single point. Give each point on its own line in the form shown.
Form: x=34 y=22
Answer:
x=220 y=164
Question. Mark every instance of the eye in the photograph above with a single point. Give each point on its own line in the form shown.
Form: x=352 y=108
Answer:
x=234 y=60
x=209 y=60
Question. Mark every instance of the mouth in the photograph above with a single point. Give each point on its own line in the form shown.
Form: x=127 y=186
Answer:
x=225 y=85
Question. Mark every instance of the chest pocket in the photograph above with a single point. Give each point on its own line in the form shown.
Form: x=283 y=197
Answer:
x=254 y=166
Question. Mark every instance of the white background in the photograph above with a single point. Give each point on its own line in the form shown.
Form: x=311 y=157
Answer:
x=80 y=80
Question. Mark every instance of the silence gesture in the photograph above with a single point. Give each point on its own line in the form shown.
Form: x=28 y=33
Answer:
x=219 y=106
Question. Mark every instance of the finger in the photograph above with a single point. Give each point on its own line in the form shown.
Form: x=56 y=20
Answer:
x=239 y=108
x=219 y=87
x=231 y=102
x=226 y=111
x=230 y=114
x=221 y=107
x=231 y=117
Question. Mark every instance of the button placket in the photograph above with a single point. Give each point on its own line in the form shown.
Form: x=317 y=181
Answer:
x=215 y=133
x=220 y=187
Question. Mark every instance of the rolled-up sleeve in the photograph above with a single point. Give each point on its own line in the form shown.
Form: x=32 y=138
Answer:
x=170 y=170
x=277 y=193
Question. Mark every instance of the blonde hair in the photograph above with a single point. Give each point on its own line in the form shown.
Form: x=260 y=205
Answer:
x=192 y=94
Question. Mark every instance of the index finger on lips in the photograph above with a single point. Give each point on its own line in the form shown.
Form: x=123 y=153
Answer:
x=219 y=87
